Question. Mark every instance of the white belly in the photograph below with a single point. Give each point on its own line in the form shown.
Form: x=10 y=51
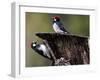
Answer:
x=56 y=28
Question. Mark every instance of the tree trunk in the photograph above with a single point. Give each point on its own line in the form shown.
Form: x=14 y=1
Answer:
x=70 y=47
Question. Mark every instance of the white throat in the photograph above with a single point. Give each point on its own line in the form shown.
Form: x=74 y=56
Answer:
x=55 y=20
x=34 y=45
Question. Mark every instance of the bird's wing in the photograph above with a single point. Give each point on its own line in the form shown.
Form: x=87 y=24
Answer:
x=62 y=27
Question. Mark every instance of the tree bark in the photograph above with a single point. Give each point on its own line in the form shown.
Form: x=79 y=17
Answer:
x=71 y=47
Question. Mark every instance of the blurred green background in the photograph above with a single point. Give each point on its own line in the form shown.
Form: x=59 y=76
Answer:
x=42 y=22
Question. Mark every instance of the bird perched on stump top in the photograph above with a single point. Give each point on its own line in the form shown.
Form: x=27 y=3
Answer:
x=58 y=26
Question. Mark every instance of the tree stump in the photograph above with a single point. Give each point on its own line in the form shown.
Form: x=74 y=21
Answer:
x=70 y=47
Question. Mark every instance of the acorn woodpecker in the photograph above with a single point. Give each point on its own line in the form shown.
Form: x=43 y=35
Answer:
x=58 y=26
x=41 y=49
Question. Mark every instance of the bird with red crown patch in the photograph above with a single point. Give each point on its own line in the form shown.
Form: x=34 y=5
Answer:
x=58 y=26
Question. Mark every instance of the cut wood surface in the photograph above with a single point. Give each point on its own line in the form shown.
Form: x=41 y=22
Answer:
x=71 y=47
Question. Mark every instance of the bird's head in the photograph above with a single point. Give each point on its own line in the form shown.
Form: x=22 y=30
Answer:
x=56 y=18
x=33 y=44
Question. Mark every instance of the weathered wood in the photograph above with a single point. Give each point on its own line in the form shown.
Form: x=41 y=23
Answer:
x=70 y=47
x=49 y=49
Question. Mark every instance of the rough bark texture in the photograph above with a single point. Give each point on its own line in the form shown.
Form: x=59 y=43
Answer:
x=70 y=47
